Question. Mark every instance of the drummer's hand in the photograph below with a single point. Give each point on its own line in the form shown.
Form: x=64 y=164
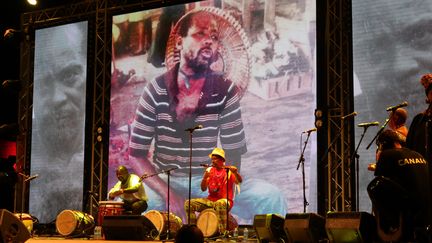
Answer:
x=117 y=193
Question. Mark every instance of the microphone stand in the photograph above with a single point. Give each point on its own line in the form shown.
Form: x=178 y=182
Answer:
x=168 y=172
x=24 y=179
x=357 y=158
x=379 y=131
x=190 y=172
x=227 y=197
x=301 y=161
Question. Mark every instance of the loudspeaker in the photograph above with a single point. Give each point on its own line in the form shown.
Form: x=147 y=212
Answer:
x=350 y=227
x=269 y=228
x=11 y=228
x=128 y=227
x=305 y=227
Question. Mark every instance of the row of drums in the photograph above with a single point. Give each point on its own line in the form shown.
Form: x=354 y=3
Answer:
x=73 y=223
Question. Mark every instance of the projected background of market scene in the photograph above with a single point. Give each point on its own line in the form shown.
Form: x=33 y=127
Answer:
x=277 y=102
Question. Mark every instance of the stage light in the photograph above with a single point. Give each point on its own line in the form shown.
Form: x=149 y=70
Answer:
x=32 y=2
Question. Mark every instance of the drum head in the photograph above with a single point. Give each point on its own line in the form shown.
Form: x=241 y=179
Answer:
x=110 y=204
x=66 y=222
x=157 y=218
x=207 y=222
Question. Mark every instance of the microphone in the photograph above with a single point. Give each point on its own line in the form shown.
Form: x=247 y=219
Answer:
x=206 y=165
x=31 y=177
x=368 y=124
x=392 y=108
x=194 y=128
x=310 y=130
x=349 y=115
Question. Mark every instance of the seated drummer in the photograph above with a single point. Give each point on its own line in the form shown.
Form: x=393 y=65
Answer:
x=214 y=179
x=131 y=190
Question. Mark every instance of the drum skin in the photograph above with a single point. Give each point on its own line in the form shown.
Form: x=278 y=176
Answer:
x=73 y=222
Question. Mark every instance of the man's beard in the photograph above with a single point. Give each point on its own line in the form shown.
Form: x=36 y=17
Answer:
x=200 y=64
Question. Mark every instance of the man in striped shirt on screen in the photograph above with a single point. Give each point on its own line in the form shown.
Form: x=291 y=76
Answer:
x=187 y=95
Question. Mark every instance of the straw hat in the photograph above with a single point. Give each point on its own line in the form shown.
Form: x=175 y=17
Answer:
x=219 y=152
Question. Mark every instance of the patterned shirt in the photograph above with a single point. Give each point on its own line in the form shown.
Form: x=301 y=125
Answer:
x=217 y=185
x=155 y=120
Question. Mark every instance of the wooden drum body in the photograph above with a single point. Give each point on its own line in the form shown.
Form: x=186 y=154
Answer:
x=160 y=221
x=109 y=208
x=73 y=222
x=208 y=222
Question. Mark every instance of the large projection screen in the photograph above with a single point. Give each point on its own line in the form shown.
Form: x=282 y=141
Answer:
x=391 y=41
x=267 y=57
x=57 y=145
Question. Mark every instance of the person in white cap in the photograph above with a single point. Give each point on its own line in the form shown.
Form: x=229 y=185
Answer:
x=215 y=182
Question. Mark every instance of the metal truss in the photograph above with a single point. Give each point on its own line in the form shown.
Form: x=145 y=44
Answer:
x=98 y=13
x=338 y=45
x=338 y=176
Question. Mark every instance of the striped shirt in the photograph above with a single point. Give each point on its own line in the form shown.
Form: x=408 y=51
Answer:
x=155 y=120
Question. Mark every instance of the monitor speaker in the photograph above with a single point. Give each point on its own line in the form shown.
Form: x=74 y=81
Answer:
x=11 y=228
x=350 y=227
x=305 y=227
x=269 y=228
x=128 y=227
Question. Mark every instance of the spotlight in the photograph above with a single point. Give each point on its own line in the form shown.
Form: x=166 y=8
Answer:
x=32 y=2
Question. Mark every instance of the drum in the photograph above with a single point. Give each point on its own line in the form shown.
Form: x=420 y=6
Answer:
x=109 y=208
x=208 y=222
x=26 y=219
x=73 y=222
x=160 y=221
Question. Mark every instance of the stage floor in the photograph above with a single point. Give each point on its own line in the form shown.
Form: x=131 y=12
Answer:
x=77 y=240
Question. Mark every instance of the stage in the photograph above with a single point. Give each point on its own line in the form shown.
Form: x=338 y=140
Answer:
x=76 y=240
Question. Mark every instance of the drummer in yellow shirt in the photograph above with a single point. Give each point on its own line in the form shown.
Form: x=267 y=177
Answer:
x=131 y=190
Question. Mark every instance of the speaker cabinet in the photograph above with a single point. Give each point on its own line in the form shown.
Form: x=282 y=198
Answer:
x=128 y=227
x=11 y=228
x=305 y=227
x=269 y=228
x=350 y=227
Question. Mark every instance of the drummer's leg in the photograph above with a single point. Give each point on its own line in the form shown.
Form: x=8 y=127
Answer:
x=196 y=205
x=139 y=207
x=221 y=211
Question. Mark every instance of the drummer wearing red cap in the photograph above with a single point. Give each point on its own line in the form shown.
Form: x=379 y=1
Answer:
x=215 y=181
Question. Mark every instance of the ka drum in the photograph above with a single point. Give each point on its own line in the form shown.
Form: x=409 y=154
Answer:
x=208 y=222
x=109 y=208
x=160 y=220
x=74 y=223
